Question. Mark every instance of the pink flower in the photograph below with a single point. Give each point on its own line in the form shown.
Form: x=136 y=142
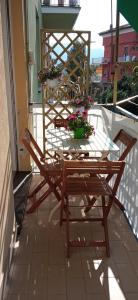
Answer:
x=90 y=99
x=85 y=113
x=71 y=117
x=77 y=112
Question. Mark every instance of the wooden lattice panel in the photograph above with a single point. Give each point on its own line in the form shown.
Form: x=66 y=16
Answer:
x=69 y=51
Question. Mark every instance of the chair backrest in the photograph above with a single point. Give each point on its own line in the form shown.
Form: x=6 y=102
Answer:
x=127 y=140
x=30 y=145
x=60 y=123
x=35 y=145
x=94 y=168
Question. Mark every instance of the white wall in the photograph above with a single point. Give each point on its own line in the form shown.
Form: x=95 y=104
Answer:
x=128 y=191
x=6 y=195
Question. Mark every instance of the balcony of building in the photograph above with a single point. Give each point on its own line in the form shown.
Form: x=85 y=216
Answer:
x=60 y=14
x=107 y=60
x=40 y=268
x=35 y=266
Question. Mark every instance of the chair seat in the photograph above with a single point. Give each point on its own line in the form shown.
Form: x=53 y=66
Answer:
x=53 y=168
x=92 y=186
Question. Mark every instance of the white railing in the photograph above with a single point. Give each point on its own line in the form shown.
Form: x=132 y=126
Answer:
x=104 y=60
x=66 y=3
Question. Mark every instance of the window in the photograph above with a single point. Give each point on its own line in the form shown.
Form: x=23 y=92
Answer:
x=126 y=50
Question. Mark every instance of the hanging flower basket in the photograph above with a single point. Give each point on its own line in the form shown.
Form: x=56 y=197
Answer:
x=50 y=76
x=52 y=83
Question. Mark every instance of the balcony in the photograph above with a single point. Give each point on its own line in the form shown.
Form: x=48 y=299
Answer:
x=40 y=269
x=61 y=3
x=106 y=60
x=60 y=14
x=100 y=60
x=128 y=58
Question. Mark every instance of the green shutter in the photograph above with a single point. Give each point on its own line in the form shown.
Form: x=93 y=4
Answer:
x=129 y=9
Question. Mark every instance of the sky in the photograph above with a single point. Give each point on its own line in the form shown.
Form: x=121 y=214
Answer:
x=95 y=15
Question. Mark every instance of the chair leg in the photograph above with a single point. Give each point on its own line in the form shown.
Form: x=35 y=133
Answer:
x=61 y=212
x=67 y=228
x=90 y=201
x=52 y=188
x=104 y=223
x=63 y=208
x=37 y=189
x=106 y=238
x=38 y=201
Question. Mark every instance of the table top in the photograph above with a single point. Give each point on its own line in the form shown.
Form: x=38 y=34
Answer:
x=60 y=139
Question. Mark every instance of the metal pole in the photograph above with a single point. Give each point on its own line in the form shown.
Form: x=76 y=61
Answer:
x=112 y=46
x=116 y=58
x=117 y=35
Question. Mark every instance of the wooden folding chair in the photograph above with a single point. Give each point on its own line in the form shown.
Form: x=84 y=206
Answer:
x=125 y=142
x=78 y=180
x=51 y=172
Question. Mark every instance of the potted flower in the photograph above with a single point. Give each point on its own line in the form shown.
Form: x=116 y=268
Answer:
x=80 y=102
x=78 y=123
x=50 y=75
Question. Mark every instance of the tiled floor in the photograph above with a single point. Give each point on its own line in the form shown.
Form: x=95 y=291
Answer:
x=40 y=269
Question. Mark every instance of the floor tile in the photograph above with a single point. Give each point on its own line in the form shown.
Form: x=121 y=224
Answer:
x=118 y=252
x=37 y=289
x=128 y=277
x=74 y=269
x=113 y=290
x=100 y=268
x=133 y=255
x=56 y=280
x=41 y=269
x=18 y=296
x=129 y=241
x=96 y=297
x=56 y=253
x=132 y=296
x=57 y=297
x=76 y=289
x=19 y=279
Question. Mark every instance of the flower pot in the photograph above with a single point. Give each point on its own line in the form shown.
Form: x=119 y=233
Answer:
x=52 y=83
x=79 y=133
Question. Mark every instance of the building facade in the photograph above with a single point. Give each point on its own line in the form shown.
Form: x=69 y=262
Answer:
x=127 y=51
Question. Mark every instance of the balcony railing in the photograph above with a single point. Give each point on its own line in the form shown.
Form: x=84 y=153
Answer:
x=106 y=60
x=100 y=60
x=61 y=3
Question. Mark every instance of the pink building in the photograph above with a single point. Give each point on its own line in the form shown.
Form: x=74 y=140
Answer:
x=127 y=50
